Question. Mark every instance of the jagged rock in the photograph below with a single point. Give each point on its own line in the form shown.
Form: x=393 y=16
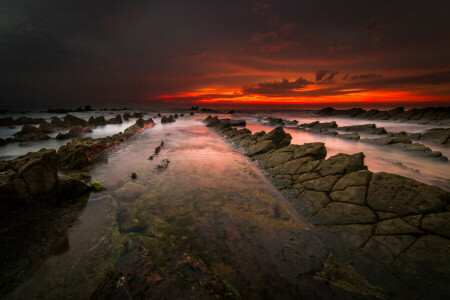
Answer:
x=291 y=167
x=437 y=223
x=278 y=137
x=74 y=132
x=133 y=176
x=396 y=226
x=319 y=127
x=98 y=121
x=341 y=164
x=274 y=121
x=337 y=213
x=260 y=147
x=116 y=120
x=314 y=150
x=404 y=196
x=30 y=133
x=163 y=165
x=71 y=120
x=56 y=122
x=357 y=178
x=127 y=116
x=130 y=191
x=351 y=194
x=8 y=121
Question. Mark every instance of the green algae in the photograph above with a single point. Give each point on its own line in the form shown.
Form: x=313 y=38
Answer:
x=97 y=187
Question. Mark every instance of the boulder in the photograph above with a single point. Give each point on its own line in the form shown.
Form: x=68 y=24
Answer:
x=80 y=152
x=46 y=127
x=437 y=135
x=71 y=120
x=279 y=138
x=341 y=164
x=30 y=133
x=116 y=120
x=168 y=119
x=98 y=121
x=72 y=187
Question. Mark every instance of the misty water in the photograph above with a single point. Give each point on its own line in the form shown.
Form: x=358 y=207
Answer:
x=210 y=202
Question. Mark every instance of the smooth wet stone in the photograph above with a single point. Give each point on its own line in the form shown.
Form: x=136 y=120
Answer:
x=337 y=213
x=396 y=226
x=323 y=184
x=354 y=235
x=358 y=178
x=404 y=196
x=310 y=202
x=437 y=223
x=341 y=164
x=351 y=194
x=130 y=191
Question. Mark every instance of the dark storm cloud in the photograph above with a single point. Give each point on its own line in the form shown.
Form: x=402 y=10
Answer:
x=276 y=87
x=117 y=51
x=360 y=77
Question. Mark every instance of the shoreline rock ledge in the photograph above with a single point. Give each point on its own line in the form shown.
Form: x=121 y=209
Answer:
x=394 y=229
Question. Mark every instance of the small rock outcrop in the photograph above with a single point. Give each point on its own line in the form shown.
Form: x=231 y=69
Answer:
x=169 y=119
x=34 y=177
x=29 y=134
x=74 y=132
x=82 y=151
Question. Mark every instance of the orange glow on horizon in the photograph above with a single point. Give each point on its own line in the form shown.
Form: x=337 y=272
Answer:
x=347 y=96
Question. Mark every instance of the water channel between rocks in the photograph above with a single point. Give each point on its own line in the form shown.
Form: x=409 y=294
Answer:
x=211 y=202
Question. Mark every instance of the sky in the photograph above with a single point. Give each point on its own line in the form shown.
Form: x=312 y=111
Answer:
x=234 y=54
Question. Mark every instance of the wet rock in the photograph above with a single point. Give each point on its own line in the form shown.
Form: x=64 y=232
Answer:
x=116 y=120
x=130 y=191
x=3 y=142
x=388 y=247
x=350 y=136
x=341 y=164
x=133 y=176
x=404 y=196
x=274 y=121
x=396 y=226
x=278 y=137
x=437 y=223
x=72 y=187
x=96 y=186
x=30 y=133
x=56 y=122
x=74 y=132
x=324 y=184
x=139 y=115
x=71 y=120
x=46 y=127
x=169 y=119
x=388 y=141
x=260 y=147
x=98 y=121
x=163 y=165
x=318 y=126
x=8 y=121
x=351 y=194
x=310 y=202
x=191 y=113
x=127 y=116
x=354 y=235
x=437 y=135
x=366 y=128
x=357 y=178
x=337 y=213
x=80 y=152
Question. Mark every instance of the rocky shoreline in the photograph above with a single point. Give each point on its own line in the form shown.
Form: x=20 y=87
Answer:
x=393 y=229
x=38 y=205
x=428 y=115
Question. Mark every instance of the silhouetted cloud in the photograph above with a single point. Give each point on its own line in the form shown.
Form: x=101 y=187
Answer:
x=276 y=87
x=325 y=76
x=359 y=77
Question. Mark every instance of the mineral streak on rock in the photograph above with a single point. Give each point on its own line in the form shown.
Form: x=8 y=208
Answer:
x=82 y=151
x=385 y=217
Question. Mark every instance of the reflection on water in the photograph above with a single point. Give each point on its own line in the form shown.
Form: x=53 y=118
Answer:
x=211 y=202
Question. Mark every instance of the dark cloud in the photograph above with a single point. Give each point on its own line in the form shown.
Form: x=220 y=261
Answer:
x=325 y=76
x=359 y=77
x=377 y=25
x=276 y=87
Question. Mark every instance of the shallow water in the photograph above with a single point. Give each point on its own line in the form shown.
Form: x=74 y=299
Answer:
x=210 y=202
